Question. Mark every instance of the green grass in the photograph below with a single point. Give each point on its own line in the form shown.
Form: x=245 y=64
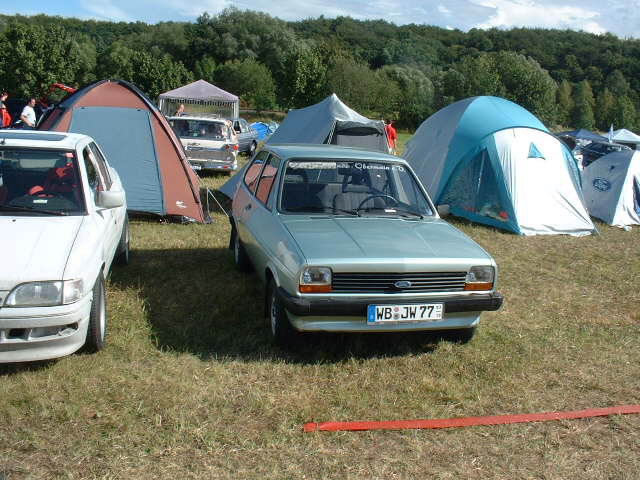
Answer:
x=190 y=386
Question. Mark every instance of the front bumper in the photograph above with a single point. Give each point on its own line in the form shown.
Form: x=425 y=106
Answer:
x=354 y=306
x=350 y=314
x=41 y=333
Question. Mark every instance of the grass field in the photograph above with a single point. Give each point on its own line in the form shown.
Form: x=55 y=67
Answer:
x=190 y=386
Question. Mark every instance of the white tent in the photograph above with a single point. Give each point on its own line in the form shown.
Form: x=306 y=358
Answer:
x=625 y=136
x=493 y=162
x=611 y=187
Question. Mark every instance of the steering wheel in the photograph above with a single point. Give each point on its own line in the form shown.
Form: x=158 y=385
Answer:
x=379 y=195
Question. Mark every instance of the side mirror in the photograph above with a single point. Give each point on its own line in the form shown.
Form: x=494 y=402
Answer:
x=110 y=199
x=443 y=210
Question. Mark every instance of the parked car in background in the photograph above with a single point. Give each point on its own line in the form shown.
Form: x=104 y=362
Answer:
x=210 y=143
x=63 y=217
x=247 y=136
x=594 y=150
x=349 y=241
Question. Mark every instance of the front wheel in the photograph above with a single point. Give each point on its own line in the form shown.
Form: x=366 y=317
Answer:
x=282 y=333
x=97 y=329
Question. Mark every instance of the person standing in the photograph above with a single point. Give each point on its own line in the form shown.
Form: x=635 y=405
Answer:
x=5 y=117
x=28 y=115
x=392 y=136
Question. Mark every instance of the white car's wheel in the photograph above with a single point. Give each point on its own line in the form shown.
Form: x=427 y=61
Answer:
x=97 y=330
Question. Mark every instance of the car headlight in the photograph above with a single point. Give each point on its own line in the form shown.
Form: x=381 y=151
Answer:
x=45 y=294
x=315 y=280
x=480 y=278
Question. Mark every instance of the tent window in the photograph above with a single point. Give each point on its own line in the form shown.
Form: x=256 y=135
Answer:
x=473 y=188
x=534 y=152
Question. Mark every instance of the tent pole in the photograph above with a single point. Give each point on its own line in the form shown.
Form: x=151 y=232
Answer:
x=210 y=193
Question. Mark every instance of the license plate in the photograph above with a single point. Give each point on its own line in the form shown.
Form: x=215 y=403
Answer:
x=427 y=312
x=196 y=167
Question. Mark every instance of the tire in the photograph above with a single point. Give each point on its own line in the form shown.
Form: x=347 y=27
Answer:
x=459 y=335
x=240 y=257
x=282 y=333
x=122 y=256
x=97 y=329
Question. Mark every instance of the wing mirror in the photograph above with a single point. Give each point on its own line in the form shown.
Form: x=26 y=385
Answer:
x=110 y=199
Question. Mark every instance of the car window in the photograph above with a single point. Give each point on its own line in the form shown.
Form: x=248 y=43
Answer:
x=38 y=180
x=267 y=179
x=359 y=187
x=102 y=165
x=253 y=172
x=93 y=177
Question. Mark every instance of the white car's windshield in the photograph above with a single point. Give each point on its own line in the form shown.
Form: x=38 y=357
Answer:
x=352 y=188
x=39 y=182
x=200 y=129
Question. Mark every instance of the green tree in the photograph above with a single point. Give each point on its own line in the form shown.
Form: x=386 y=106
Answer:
x=304 y=82
x=415 y=95
x=205 y=69
x=564 y=97
x=583 y=116
x=605 y=110
x=249 y=80
x=625 y=115
x=33 y=57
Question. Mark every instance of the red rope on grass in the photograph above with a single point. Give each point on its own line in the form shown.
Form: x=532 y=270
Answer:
x=470 y=421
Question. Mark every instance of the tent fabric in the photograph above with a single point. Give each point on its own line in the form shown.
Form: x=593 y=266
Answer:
x=624 y=135
x=200 y=96
x=611 y=187
x=583 y=134
x=331 y=121
x=199 y=90
x=139 y=143
x=495 y=163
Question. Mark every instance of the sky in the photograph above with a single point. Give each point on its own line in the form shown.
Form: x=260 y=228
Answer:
x=620 y=17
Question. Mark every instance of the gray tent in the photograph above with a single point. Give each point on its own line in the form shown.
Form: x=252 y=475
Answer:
x=200 y=97
x=331 y=121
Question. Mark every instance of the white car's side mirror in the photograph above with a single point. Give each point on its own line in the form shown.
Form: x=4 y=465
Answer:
x=110 y=199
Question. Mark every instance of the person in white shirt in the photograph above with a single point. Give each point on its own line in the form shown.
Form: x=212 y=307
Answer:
x=28 y=115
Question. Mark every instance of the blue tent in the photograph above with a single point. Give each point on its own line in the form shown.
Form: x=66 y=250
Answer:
x=493 y=162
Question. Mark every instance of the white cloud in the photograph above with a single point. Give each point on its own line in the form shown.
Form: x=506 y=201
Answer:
x=106 y=10
x=527 y=13
x=444 y=10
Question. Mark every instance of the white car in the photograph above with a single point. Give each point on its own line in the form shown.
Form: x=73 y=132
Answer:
x=63 y=220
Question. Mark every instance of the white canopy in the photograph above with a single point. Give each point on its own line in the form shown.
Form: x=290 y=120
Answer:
x=624 y=135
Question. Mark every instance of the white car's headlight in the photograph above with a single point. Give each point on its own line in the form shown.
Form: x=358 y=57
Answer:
x=45 y=294
x=315 y=280
x=480 y=278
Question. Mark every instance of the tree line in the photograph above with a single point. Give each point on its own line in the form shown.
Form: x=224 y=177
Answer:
x=566 y=78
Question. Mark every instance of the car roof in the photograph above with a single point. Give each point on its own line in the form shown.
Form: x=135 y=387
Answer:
x=298 y=150
x=41 y=139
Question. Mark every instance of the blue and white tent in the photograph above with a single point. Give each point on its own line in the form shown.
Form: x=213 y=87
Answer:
x=611 y=187
x=493 y=162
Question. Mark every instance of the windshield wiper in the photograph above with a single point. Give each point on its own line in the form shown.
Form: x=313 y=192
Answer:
x=17 y=208
x=315 y=208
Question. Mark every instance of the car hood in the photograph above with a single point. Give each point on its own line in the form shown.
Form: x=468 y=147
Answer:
x=35 y=247
x=382 y=239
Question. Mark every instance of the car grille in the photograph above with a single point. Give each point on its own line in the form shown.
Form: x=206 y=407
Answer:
x=389 y=282
x=223 y=155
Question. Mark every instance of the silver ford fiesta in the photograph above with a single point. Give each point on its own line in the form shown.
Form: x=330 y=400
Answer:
x=348 y=241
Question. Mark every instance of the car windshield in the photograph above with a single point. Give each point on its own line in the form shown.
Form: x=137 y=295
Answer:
x=200 y=129
x=39 y=182
x=355 y=188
